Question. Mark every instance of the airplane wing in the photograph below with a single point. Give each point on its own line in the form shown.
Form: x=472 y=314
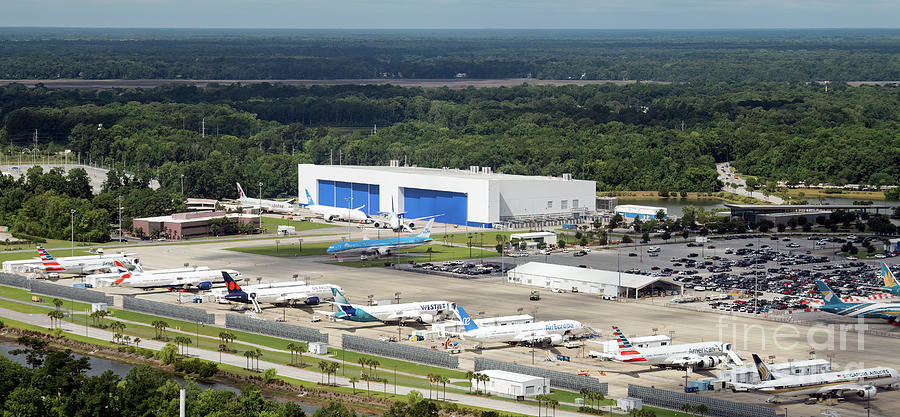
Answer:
x=861 y=390
x=295 y=296
x=405 y=315
x=687 y=360
x=533 y=337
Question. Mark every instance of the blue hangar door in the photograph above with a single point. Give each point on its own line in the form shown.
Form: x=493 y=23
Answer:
x=453 y=207
x=338 y=194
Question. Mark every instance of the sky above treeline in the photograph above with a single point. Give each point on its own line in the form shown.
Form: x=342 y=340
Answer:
x=453 y=14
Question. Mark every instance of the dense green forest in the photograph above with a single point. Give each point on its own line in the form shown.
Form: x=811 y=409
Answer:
x=733 y=56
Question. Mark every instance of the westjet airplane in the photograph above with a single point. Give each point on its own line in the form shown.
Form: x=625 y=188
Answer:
x=424 y=312
x=862 y=382
x=834 y=305
x=262 y=204
x=704 y=355
x=554 y=332
x=331 y=214
x=382 y=247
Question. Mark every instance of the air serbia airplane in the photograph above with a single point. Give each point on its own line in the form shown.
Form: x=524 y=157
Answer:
x=384 y=246
x=330 y=213
x=553 y=332
x=703 y=355
x=262 y=204
x=890 y=282
x=424 y=312
x=834 y=305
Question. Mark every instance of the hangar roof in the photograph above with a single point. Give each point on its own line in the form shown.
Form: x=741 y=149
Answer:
x=598 y=276
x=446 y=172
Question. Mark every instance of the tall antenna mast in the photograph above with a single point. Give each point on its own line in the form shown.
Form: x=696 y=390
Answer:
x=203 y=128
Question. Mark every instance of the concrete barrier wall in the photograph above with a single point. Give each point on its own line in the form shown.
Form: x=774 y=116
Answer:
x=398 y=351
x=674 y=400
x=562 y=380
x=286 y=331
x=191 y=314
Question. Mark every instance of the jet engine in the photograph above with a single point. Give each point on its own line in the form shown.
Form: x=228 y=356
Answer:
x=377 y=224
x=312 y=301
x=205 y=285
x=710 y=362
x=330 y=218
x=868 y=392
x=426 y=318
x=411 y=225
x=555 y=339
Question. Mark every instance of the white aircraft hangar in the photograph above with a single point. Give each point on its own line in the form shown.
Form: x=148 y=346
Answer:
x=592 y=281
x=475 y=197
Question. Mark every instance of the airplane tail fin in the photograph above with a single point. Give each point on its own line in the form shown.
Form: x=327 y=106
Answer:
x=764 y=373
x=241 y=191
x=828 y=295
x=231 y=284
x=339 y=296
x=626 y=348
x=889 y=279
x=309 y=199
x=467 y=321
x=124 y=275
x=426 y=232
x=45 y=255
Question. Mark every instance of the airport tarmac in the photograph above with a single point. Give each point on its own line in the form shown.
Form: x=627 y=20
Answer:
x=494 y=297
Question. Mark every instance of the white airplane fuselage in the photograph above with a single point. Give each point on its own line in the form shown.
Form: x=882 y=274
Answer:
x=553 y=331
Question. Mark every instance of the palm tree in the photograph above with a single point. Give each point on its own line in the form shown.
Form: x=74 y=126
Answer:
x=687 y=408
x=430 y=383
x=137 y=341
x=323 y=366
x=540 y=398
x=126 y=339
x=334 y=368
x=290 y=347
x=256 y=355
x=584 y=394
x=58 y=303
x=301 y=349
x=444 y=380
x=374 y=364
x=701 y=409
x=353 y=381
x=470 y=375
x=247 y=355
x=160 y=326
x=553 y=403
x=362 y=364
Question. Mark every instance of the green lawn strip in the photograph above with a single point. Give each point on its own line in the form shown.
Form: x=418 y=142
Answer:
x=270 y=224
x=439 y=253
x=24 y=308
x=24 y=295
x=483 y=239
x=402 y=366
x=50 y=244
x=18 y=256
x=289 y=249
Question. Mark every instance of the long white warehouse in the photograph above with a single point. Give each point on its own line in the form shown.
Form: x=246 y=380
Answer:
x=591 y=281
x=475 y=197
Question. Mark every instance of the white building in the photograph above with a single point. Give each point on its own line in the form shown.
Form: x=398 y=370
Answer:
x=511 y=384
x=632 y=211
x=612 y=346
x=591 y=281
x=533 y=238
x=749 y=375
x=475 y=197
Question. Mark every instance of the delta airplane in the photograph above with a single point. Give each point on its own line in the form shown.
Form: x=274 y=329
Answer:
x=890 y=282
x=382 y=247
x=703 y=355
x=307 y=294
x=200 y=279
x=331 y=214
x=834 y=305
x=424 y=312
x=554 y=332
x=261 y=204
x=862 y=382
x=82 y=264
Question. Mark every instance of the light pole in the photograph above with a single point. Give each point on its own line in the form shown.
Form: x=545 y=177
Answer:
x=260 y=198
x=120 y=218
x=182 y=184
x=349 y=209
x=72 y=227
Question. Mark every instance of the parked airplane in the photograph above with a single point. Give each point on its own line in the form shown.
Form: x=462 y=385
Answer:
x=382 y=247
x=862 y=382
x=396 y=222
x=554 y=332
x=261 y=204
x=703 y=355
x=118 y=272
x=331 y=214
x=201 y=279
x=834 y=305
x=81 y=264
x=307 y=294
x=890 y=282
x=423 y=312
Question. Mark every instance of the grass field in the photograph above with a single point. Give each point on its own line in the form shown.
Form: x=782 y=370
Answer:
x=59 y=253
x=270 y=224
x=290 y=249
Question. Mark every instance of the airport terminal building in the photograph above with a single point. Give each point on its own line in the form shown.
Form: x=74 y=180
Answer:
x=475 y=197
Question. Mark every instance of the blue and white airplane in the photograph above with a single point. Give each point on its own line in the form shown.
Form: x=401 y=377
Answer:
x=330 y=213
x=424 y=312
x=396 y=221
x=890 y=282
x=834 y=305
x=384 y=246
x=554 y=332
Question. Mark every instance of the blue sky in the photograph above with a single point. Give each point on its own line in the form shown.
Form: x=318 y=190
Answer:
x=450 y=14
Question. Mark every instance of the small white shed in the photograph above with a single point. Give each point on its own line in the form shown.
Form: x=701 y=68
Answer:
x=511 y=384
x=318 y=348
x=628 y=403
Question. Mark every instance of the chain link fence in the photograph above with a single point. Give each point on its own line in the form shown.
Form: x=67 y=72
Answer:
x=557 y=379
x=674 y=400
x=191 y=314
x=286 y=331
x=13 y=280
x=399 y=351
x=53 y=290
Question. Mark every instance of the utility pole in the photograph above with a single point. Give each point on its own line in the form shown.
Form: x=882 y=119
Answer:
x=260 y=199
x=182 y=184
x=203 y=128
x=120 y=217
x=73 y=230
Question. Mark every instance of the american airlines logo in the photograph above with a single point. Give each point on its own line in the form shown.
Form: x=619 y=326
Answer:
x=558 y=326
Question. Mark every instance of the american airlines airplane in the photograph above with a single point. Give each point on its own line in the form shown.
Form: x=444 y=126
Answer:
x=704 y=355
x=271 y=206
x=331 y=214
x=862 y=382
x=289 y=295
x=424 y=312
x=382 y=247
x=200 y=279
x=82 y=264
x=554 y=332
